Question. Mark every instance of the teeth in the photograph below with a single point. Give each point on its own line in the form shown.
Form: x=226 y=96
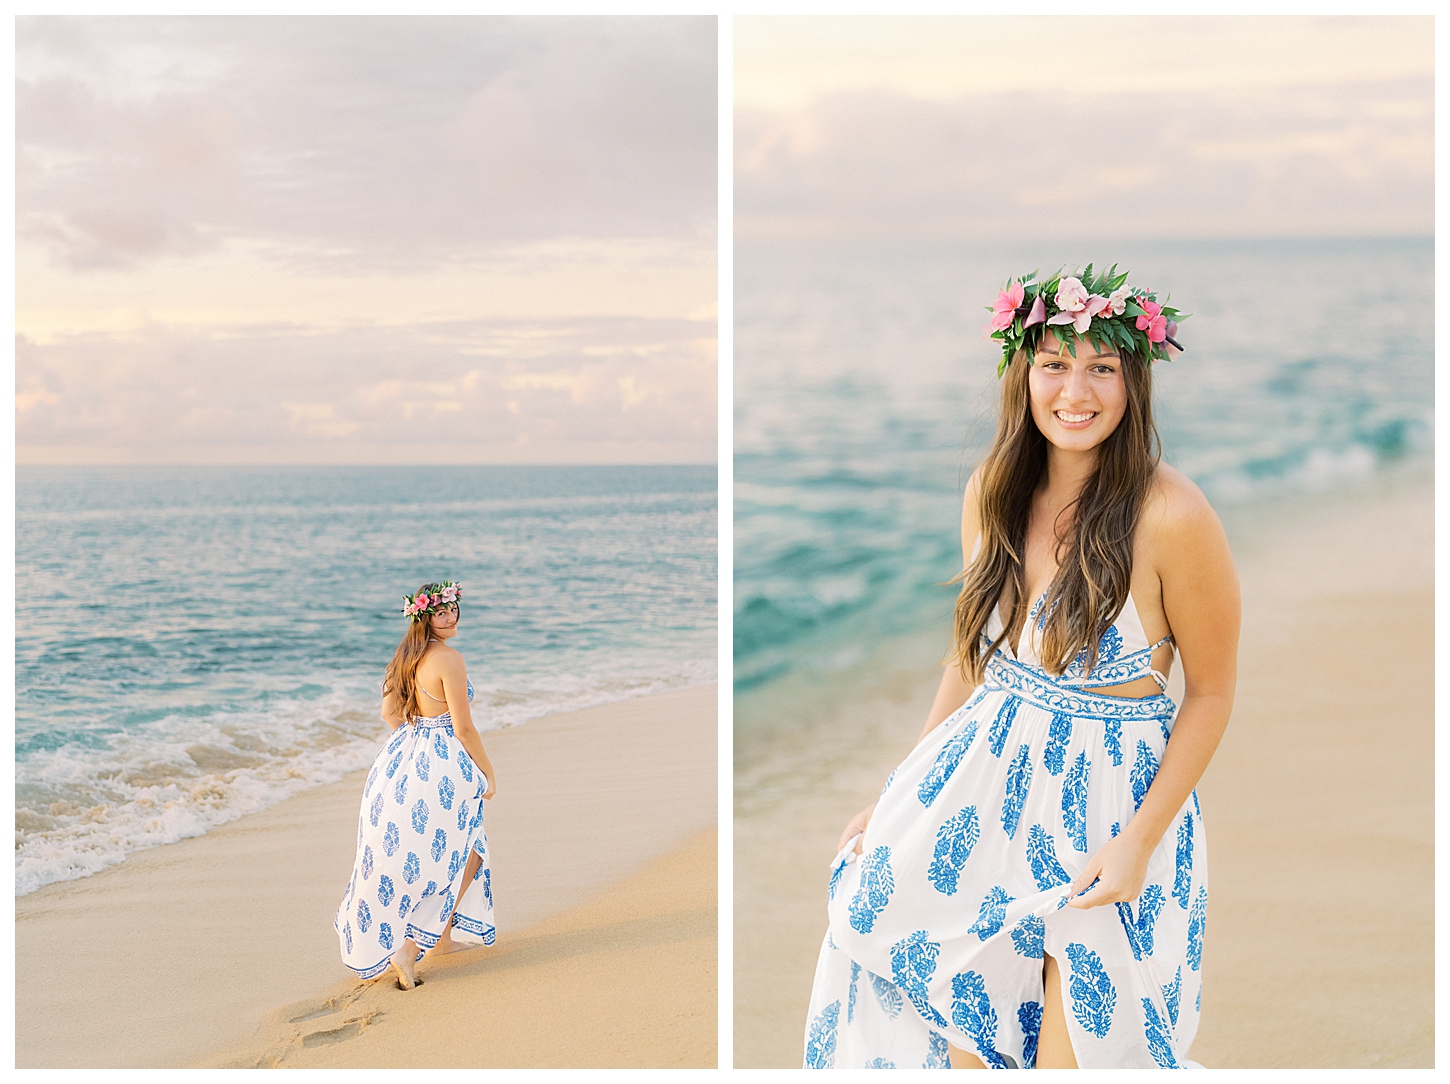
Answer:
x=1065 y=416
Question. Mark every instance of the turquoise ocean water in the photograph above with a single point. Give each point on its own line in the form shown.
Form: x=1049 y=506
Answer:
x=193 y=644
x=865 y=394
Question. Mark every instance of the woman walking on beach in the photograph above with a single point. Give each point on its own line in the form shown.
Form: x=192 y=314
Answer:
x=422 y=857
x=1030 y=889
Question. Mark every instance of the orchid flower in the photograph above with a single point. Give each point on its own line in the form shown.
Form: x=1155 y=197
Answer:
x=1072 y=296
x=1082 y=318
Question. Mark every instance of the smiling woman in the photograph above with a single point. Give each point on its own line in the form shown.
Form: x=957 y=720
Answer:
x=1054 y=776
x=1071 y=393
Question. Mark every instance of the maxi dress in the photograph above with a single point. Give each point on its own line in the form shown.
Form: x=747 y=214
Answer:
x=422 y=812
x=938 y=929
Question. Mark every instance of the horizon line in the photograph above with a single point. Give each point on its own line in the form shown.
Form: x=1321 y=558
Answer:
x=173 y=463
x=817 y=234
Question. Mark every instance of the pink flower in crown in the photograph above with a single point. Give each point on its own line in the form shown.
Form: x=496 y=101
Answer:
x=1072 y=295
x=1118 y=300
x=1154 y=323
x=450 y=593
x=1077 y=305
x=1005 y=309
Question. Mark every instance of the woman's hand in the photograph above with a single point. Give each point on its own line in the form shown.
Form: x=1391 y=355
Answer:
x=856 y=826
x=492 y=786
x=1119 y=868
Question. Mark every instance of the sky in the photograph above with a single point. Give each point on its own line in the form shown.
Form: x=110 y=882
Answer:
x=1082 y=127
x=366 y=240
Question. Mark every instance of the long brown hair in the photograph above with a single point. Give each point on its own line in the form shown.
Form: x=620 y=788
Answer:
x=402 y=675
x=1095 y=560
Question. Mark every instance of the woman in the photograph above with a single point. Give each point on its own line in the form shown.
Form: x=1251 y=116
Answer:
x=422 y=858
x=1030 y=888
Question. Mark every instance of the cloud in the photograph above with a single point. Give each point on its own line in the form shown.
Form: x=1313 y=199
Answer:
x=556 y=391
x=366 y=239
x=1305 y=161
x=783 y=62
x=376 y=143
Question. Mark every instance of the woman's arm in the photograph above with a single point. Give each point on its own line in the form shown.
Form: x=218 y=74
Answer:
x=392 y=711
x=455 y=690
x=952 y=691
x=1201 y=601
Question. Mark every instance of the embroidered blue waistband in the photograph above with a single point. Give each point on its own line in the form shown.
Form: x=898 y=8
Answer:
x=1120 y=671
x=1038 y=687
x=433 y=723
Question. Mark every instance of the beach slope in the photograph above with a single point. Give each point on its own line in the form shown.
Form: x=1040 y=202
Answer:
x=602 y=842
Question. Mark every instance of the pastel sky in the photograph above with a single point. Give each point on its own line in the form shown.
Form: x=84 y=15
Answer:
x=366 y=240
x=1082 y=127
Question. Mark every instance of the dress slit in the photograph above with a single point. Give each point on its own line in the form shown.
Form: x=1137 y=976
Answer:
x=938 y=931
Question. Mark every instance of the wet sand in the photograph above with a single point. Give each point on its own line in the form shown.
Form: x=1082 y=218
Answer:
x=190 y=954
x=1319 y=807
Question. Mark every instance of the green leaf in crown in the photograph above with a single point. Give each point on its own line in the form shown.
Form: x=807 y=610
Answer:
x=432 y=598
x=1101 y=308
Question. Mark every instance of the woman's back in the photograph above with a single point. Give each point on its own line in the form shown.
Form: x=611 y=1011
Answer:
x=437 y=661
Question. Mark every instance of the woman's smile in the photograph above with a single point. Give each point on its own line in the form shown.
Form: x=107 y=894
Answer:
x=1089 y=386
x=1075 y=420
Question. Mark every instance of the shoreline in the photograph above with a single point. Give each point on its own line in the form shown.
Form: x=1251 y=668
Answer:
x=1318 y=804
x=189 y=947
x=158 y=808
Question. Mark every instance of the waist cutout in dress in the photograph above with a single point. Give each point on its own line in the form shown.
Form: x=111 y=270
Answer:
x=1037 y=686
x=1124 y=654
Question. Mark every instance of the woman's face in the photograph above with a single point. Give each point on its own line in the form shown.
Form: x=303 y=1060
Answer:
x=1077 y=402
x=445 y=623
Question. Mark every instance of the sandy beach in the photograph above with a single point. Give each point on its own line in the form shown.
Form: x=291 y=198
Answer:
x=220 y=950
x=1319 y=806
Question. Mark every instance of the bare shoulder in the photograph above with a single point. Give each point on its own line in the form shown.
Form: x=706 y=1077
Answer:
x=1177 y=519
x=443 y=661
x=1176 y=505
x=972 y=494
x=970 y=525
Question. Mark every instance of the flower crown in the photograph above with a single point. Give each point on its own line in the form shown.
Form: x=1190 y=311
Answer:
x=1101 y=308
x=432 y=598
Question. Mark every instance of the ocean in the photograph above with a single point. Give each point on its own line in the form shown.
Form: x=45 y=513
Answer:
x=865 y=395
x=194 y=644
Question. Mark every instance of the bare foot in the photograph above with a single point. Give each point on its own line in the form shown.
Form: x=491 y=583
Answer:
x=445 y=945
x=403 y=962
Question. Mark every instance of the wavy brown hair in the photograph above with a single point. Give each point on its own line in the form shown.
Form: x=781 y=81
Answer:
x=402 y=675
x=1095 y=560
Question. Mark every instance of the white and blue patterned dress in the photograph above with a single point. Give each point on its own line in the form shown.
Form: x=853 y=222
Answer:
x=422 y=812
x=938 y=929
